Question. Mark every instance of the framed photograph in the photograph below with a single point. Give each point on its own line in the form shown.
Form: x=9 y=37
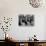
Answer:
x=26 y=20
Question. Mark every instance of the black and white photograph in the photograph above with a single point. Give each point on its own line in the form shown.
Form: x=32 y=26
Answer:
x=26 y=20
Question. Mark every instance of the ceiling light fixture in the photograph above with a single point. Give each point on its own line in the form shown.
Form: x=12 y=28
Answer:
x=35 y=3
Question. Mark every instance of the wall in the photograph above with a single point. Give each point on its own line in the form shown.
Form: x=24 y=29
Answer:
x=12 y=8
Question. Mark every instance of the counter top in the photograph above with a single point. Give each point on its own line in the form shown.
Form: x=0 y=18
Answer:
x=39 y=41
x=42 y=41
